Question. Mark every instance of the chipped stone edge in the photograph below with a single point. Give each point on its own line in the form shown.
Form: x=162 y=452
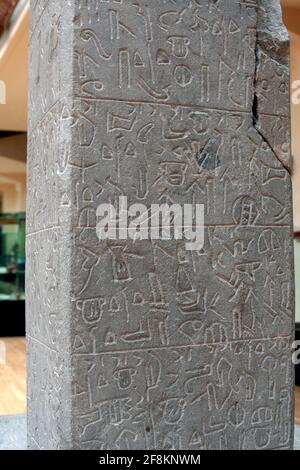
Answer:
x=272 y=39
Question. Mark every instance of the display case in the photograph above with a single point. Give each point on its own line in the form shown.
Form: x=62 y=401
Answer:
x=12 y=257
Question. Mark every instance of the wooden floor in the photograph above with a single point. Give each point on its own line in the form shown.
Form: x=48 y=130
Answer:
x=13 y=379
x=13 y=376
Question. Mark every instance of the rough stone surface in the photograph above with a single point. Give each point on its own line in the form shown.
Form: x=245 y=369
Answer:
x=271 y=108
x=146 y=345
x=13 y=433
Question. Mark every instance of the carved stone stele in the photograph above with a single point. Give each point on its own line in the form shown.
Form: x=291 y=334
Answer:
x=146 y=345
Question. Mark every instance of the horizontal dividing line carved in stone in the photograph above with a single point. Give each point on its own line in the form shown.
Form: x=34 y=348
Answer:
x=164 y=103
x=182 y=105
x=145 y=102
x=274 y=115
x=42 y=230
x=44 y=345
x=206 y=226
x=233 y=226
x=229 y=343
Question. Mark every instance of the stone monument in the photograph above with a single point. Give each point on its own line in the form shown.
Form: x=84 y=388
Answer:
x=144 y=344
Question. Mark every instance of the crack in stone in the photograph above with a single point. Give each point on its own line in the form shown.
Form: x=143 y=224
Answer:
x=275 y=45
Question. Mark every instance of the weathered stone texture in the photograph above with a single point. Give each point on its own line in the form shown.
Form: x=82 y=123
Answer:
x=145 y=345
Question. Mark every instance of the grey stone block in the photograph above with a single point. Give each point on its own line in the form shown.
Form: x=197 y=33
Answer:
x=13 y=433
x=145 y=345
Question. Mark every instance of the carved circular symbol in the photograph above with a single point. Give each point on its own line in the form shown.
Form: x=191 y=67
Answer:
x=183 y=75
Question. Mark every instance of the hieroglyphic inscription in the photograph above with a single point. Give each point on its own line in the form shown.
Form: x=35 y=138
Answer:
x=144 y=345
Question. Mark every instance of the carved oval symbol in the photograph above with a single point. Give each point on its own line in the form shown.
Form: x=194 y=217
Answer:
x=92 y=310
x=183 y=75
x=174 y=410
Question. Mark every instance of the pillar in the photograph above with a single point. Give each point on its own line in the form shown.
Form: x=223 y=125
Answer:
x=146 y=344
